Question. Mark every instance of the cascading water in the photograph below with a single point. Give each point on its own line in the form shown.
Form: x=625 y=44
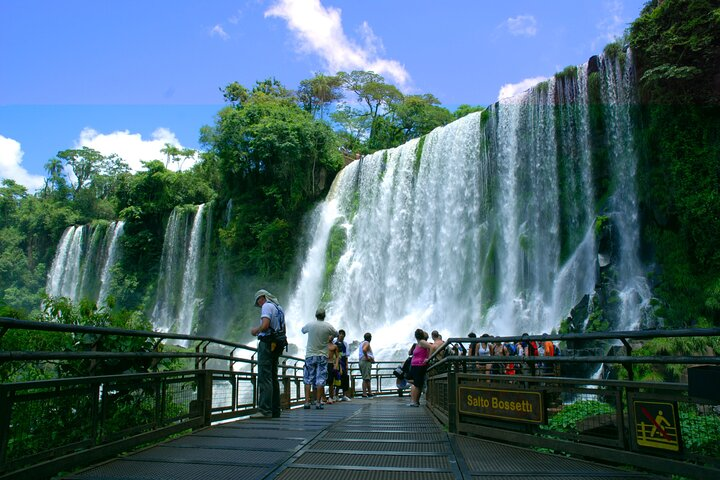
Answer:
x=83 y=262
x=64 y=277
x=485 y=225
x=303 y=307
x=620 y=96
x=178 y=295
x=116 y=230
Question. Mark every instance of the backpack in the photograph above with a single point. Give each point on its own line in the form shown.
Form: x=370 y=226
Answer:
x=279 y=336
x=511 y=348
x=533 y=349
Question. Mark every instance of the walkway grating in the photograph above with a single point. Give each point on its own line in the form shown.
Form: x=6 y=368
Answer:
x=366 y=439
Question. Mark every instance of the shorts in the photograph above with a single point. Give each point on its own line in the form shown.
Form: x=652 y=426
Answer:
x=315 y=371
x=417 y=374
x=365 y=367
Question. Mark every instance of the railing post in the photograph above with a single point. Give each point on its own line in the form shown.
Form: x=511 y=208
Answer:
x=285 y=397
x=95 y=413
x=452 y=398
x=205 y=396
x=5 y=409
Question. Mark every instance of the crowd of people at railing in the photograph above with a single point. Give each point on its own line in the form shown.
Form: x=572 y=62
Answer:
x=327 y=355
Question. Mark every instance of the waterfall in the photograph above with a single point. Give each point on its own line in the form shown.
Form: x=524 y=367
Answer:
x=116 y=230
x=307 y=294
x=178 y=294
x=620 y=97
x=82 y=265
x=485 y=225
x=64 y=277
x=223 y=301
x=189 y=298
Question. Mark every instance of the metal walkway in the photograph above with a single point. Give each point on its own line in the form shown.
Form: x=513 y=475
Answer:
x=365 y=439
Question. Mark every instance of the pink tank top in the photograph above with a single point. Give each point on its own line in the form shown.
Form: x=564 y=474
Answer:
x=420 y=356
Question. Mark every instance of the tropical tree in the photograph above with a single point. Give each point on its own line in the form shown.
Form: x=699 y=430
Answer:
x=418 y=115
x=316 y=94
x=373 y=94
x=466 y=109
x=274 y=160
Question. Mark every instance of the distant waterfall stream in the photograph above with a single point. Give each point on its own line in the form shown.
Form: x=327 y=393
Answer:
x=183 y=268
x=82 y=267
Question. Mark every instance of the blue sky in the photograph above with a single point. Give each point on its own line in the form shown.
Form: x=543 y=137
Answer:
x=128 y=76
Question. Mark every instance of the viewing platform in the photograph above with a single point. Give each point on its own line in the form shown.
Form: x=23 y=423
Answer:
x=376 y=438
x=187 y=408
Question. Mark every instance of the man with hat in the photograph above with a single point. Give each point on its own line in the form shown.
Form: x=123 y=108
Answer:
x=272 y=319
x=315 y=371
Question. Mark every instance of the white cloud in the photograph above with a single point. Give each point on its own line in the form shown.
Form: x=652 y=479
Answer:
x=235 y=19
x=611 y=26
x=131 y=147
x=11 y=157
x=319 y=30
x=218 y=31
x=511 y=89
x=522 y=25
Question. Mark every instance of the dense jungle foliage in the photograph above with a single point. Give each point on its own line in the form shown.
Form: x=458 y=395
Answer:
x=677 y=48
x=274 y=152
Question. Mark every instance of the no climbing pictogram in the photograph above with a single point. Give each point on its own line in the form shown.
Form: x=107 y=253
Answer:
x=656 y=425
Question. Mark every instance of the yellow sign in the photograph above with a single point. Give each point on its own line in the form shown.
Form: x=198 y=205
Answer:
x=656 y=425
x=517 y=405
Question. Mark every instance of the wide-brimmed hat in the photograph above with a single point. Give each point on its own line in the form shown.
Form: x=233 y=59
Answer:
x=258 y=294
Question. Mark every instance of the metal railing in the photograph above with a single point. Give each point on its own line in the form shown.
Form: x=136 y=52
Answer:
x=551 y=402
x=65 y=422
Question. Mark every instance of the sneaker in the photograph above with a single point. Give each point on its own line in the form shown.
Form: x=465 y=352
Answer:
x=370 y=395
x=330 y=401
x=344 y=399
x=319 y=407
x=306 y=406
x=413 y=404
x=260 y=415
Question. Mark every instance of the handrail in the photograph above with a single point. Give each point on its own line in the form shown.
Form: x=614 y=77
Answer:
x=65 y=328
x=621 y=335
x=12 y=323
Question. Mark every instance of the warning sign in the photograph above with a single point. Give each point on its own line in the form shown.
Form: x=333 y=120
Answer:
x=657 y=425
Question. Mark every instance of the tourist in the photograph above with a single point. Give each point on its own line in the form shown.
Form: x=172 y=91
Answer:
x=332 y=369
x=272 y=319
x=485 y=349
x=437 y=345
x=548 y=351
x=472 y=348
x=316 y=352
x=508 y=349
x=343 y=350
x=418 y=366
x=366 y=359
x=530 y=349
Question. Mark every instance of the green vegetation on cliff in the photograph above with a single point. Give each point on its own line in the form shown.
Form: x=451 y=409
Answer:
x=677 y=49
